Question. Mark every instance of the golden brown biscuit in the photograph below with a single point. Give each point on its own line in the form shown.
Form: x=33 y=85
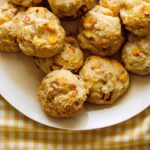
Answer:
x=41 y=34
x=114 y=5
x=135 y=15
x=106 y=80
x=100 y=32
x=70 y=58
x=7 y=12
x=62 y=94
x=70 y=8
x=26 y=3
x=10 y=16
x=136 y=55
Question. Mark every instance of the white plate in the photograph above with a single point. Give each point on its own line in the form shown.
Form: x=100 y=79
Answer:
x=19 y=79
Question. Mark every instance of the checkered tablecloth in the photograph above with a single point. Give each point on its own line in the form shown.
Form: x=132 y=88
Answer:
x=17 y=132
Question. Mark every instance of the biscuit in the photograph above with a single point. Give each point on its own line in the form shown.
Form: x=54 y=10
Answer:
x=106 y=80
x=135 y=15
x=100 y=32
x=114 y=5
x=70 y=58
x=70 y=8
x=41 y=34
x=136 y=55
x=62 y=94
x=10 y=16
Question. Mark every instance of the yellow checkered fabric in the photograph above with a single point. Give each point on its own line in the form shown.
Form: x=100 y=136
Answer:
x=17 y=132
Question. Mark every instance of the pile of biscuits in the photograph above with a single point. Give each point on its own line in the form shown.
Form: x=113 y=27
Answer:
x=79 y=68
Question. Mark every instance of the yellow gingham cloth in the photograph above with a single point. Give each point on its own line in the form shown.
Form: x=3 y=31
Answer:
x=17 y=132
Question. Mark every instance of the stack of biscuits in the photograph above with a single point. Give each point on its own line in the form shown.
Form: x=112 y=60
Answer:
x=79 y=67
